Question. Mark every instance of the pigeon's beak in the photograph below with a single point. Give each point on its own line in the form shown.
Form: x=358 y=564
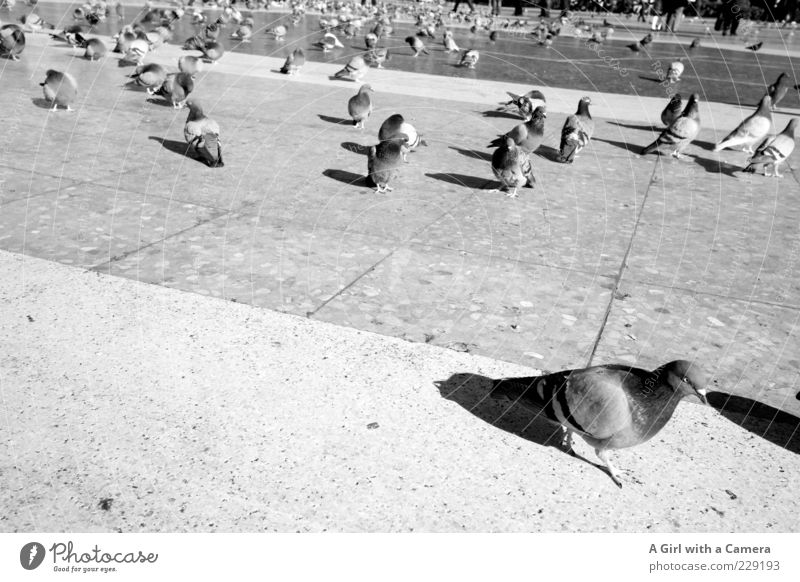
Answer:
x=701 y=394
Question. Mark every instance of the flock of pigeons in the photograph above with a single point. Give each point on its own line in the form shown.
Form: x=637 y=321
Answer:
x=611 y=406
x=511 y=159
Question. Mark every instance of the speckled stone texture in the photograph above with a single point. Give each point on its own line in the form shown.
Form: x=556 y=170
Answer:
x=616 y=258
x=289 y=224
x=185 y=413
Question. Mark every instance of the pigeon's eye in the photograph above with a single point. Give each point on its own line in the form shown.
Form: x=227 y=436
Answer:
x=685 y=379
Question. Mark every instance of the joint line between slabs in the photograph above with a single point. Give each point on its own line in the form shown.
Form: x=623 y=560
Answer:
x=618 y=278
x=126 y=254
x=400 y=244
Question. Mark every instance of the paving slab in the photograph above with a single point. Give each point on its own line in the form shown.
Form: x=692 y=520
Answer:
x=748 y=347
x=188 y=413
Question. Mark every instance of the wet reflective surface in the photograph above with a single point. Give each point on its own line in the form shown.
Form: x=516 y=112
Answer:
x=717 y=75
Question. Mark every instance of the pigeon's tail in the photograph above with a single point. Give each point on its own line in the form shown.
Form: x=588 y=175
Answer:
x=343 y=73
x=212 y=150
x=496 y=142
x=651 y=148
x=568 y=151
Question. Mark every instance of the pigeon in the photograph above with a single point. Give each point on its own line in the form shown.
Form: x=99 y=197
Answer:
x=417 y=45
x=527 y=136
x=673 y=110
x=383 y=162
x=512 y=167
x=176 y=88
x=194 y=43
x=137 y=49
x=95 y=49
x=35 y=22
x=637 y=46
x=354 y=70
x=493 y=36
x=202 y=133
x=611 y=406
x=525 y=104
x=212 y=52
x=294 y=62
x=376 y=57
x=753 y=129
x=60 y=89
x=211 y=31
x=777 y=91
x=371 y=40
x=243 y=33
x=449 y=43
x=577 y=131
x=773 y=151
x=360 y=106
x=190 y=64
x=72 y=35
x=756 y=46
x=469 y=58
x=675 y=71
x=396 y=126
x=695 y=43
x=680 y=132
x=12 y=41
x=151 y=76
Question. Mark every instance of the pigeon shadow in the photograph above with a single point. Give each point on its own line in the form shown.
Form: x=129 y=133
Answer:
x=160 y=101
x=706 y=145
x=464 y=180
x=717 y=166
x=355 y=148
x=653 y=79
x=336 y=120
x=122 y=63
x=335 y=78
x=41 y=103
x=177 y=147
x=500 y=114
x=776 y=426
x=549 y=153
x=634 y=126
x=349 y=178
x=474 y=154
x=471 y=392
x=634 y=149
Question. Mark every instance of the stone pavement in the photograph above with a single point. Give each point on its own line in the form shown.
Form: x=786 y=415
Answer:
x=135 y=408
x=617 y=258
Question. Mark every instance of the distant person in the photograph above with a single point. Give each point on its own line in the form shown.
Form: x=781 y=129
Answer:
x=674 y=12
x=496 y=5
x=469 y=3
x=731 y=12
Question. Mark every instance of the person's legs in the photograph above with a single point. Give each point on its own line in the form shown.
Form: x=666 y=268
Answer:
x=735 y=24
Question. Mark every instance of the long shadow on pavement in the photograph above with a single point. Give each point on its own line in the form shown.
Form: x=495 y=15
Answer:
x=349 y=178
x=471 y=392
x=632 y=148
x=465 y=181
x=178 y=147
x=475 y=154
x=336 y=120
x=776 y=426
x=717 y=166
